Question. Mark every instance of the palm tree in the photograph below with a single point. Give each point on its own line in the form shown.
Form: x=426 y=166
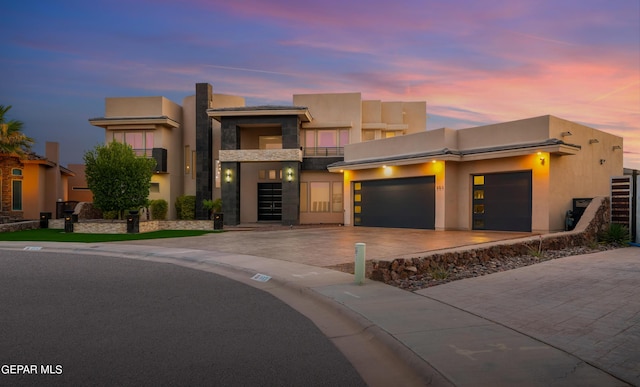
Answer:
x=12 y=140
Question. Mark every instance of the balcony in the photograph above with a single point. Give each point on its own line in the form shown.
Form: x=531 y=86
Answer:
x=324 y=152
x=158 y=154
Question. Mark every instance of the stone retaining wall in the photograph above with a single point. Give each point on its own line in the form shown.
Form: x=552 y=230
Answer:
x=120 y=226
x=594 y=220
x=19 y=226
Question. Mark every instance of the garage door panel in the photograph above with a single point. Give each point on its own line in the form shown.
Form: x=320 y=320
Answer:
x=507 y=202
x=403 y=203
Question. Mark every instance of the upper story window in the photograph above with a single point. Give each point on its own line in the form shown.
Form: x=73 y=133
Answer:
x=140 y=141
x=16 y=172
x=325 y=142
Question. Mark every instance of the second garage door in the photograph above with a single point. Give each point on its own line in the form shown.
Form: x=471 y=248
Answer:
x=404 y=203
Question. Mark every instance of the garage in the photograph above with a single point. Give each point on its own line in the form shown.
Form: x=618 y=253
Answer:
x=502 y=201
x=402 y=203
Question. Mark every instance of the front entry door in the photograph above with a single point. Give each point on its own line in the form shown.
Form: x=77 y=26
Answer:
x=269 y=201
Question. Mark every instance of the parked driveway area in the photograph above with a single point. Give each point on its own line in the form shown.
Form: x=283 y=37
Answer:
x=328 y=246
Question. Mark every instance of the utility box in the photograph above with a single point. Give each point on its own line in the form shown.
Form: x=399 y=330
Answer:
x=579 y=206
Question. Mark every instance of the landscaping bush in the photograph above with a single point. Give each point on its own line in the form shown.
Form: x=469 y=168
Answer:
x=186 y=207
x=159 y=209
x=110 y=215
x=616 y=234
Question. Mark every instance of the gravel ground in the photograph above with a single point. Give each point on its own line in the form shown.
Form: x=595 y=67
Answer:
x=448 y=274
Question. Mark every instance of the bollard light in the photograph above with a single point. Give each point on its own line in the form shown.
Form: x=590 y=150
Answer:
x=360 y=263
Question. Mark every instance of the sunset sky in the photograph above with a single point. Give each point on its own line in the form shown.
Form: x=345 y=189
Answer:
x=474 y=62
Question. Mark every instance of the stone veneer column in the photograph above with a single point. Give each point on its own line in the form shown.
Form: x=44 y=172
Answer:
x=230 y=140
x=204 y=152
x=291 y=189
x=291 y=194
x=230 y=193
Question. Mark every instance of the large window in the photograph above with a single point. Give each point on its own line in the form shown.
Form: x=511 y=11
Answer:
x=16 y=195
x=321 y=196
x=325 y=142
x=140 y=141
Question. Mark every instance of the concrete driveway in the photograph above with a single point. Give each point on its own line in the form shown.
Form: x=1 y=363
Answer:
x=328 y=246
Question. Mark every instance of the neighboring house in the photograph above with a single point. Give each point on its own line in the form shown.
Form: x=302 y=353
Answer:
x=32 y=185
x=336 y=158
x=78 y=189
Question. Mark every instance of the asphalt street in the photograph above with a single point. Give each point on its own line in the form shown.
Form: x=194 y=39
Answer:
x=68 y=319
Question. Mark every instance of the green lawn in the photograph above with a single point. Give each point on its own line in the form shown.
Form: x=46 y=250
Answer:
x=57 y=235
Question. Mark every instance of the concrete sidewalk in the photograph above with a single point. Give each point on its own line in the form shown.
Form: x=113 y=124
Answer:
x=570 y=322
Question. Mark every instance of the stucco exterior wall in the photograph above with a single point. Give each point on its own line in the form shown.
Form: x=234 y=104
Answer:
x=142 y=107
x=431 y=140
x=581 y=175
x=188 y=170
x=515 y=132
x=77 y=183
x=338 y=110
x=33 y=190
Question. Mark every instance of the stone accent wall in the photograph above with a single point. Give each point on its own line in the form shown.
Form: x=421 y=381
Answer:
x=266 y=155
x=7 y=164
x=594 y=220
x=120 y=226
x=19 y=226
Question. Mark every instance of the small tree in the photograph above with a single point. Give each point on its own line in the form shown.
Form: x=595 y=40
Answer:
x=118 y=178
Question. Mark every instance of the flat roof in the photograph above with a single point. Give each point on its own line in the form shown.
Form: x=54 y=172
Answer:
x=267 y=110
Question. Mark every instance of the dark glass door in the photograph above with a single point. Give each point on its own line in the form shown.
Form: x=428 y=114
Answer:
x=269 y=201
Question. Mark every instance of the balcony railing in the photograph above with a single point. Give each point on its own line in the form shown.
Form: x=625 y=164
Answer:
x=324 y=152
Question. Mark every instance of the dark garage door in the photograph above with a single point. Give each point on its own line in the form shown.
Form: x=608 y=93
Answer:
x=405 y=203
x=502 y=201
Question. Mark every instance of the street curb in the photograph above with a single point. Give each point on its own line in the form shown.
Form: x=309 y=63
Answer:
x=414 y=369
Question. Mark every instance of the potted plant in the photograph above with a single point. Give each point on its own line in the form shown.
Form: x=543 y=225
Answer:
x=215 y=208
x=212 y=206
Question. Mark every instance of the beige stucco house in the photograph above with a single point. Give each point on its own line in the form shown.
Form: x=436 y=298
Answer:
x=521 y=175
x=337 y=158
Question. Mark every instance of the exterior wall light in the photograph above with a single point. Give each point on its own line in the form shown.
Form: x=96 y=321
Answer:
x=541 y=157
x=593 y=141
x=602 y=161
x=227 y=176
x=289 y=175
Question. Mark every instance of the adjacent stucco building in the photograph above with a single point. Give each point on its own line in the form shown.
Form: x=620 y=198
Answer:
x=336 y=158
x=33 y=184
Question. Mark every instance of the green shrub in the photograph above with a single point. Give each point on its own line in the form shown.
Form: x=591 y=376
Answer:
x=110 y=215
x=159 y=209
x=616 y=234
x=186 y=207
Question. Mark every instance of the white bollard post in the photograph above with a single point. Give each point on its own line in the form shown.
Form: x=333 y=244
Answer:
x=360 y=263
